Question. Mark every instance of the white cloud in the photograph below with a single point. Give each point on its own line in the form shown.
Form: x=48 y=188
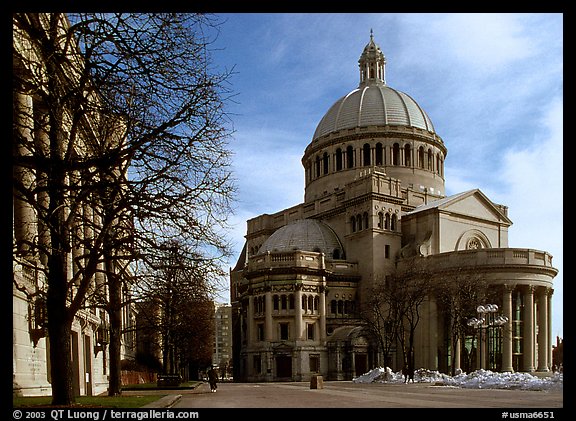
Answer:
x=533 y=191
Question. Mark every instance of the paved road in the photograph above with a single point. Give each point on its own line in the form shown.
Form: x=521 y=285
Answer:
x=346 y=394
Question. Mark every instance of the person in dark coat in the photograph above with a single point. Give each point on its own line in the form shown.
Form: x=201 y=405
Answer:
x=411 y=374
x=405 y=373
x=213 y=379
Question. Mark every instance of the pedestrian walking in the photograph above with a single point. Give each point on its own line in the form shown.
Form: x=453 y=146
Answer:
x=213 y=379
x=410 y=374
x=405 y=373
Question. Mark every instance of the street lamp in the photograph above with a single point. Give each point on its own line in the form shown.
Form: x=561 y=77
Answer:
x=486 y=320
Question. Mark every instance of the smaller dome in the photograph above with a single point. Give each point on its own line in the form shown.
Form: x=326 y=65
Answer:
x=305 y=235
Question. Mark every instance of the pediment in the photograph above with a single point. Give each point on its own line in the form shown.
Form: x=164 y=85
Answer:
x=282 y=347
x=472 y=203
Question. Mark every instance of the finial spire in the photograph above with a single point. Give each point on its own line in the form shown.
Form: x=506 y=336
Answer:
x=372 y=63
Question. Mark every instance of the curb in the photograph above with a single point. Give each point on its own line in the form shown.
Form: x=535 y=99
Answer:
x=164 y=402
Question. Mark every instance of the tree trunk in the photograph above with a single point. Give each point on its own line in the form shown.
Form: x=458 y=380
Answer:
x=59 y=332
x=115 y=313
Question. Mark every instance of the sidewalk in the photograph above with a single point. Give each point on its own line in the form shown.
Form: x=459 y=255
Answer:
x=346 y=394
x=165 y=402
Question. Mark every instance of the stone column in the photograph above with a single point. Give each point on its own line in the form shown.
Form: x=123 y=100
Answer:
x=43 y=145
x=549 y=293
x=298 y=312
x=528 y=331
x=543 y=330
x=250 y=322
x=457 y=351
x=432 y=334
x=268 y=315
x=507 y=329
x=322 y=309
x=24 y=216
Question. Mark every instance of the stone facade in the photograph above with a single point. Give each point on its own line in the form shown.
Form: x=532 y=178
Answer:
x=374 y=200
x=89 y=338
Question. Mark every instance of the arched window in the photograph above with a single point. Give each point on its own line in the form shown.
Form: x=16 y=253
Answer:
x=283 y=301
x=365 y=220
x=291 y=301
x=359 y=222
x=316 y=302
x=333 y=308
x=304 y=302
x=338 y=159
x=336 y=254
x=353 y=223
x=317 y=167
x=379 y=154
x=380 y=220
x=310 y=303
x=387 y=222
x=421 y=157
x=349 y=157
x=275 y=299
x=366 y=154
x=394 y=222
x=438 y=163
x=325 y=163
x=407 y=155
x=340 y=307
x=430 y=157
x=396 y=154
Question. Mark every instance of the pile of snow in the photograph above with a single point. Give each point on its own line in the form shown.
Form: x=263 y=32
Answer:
x=479 y=379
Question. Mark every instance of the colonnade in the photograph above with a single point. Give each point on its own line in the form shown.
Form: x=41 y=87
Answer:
x=296 y=315
x=528 y=331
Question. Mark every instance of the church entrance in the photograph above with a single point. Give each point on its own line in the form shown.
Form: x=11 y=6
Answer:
x=360 y=363
x=284 y=366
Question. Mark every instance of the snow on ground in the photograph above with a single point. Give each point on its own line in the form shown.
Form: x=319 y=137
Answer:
x=479 y=379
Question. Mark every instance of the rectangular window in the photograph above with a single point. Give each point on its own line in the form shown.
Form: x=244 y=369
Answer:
x=283 y=331
x=260 y=331
x=310 y=327
x=314 y=363
x=387 y=251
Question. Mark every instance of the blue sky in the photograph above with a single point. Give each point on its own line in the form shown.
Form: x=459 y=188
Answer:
x=492 y=85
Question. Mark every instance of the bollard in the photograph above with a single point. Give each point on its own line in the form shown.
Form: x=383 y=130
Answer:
x=316 y=382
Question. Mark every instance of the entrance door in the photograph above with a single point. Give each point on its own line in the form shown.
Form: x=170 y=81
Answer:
x=88 y=365
x=361 y=364
x=284 y=366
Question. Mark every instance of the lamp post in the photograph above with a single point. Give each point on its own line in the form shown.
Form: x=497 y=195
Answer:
x=486 y=319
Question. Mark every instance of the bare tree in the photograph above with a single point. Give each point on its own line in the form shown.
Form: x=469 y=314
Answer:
x=414 y=286
x=457 y=294
x=393 y=311
x=127 y=148
x=383 y=316
x=177 y=282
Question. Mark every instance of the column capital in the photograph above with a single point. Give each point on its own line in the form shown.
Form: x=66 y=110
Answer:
x=508 y=288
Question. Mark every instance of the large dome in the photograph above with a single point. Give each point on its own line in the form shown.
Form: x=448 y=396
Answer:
x=373 y=105
x=305 y=235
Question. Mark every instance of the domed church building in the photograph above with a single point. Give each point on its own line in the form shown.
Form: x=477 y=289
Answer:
x=374 y=210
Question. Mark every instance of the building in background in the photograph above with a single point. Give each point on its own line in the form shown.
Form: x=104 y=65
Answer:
x=374 y=205
x=222 y=356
